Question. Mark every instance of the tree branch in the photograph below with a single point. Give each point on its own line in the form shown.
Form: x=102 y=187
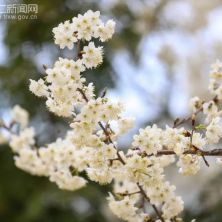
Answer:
x=148 y=199
x=214 y=152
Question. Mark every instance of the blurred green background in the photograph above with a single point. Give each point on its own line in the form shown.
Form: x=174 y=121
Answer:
x=158 y=58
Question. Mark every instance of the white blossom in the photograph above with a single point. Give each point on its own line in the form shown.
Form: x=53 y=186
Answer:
x=105 y=31
x=214 y=131
x=93 y=56
x=29 y=161
x=175 y=140
x=38 y=88
x=83 y=27
x=189 y=164
x=149 y=139
x=65 y=180
x=64 y=35
x=20 y=115
x=125 y=124
x=25 y=139
x=125 y=209
x=91 y=143
x=172 y=207
x=195 y=104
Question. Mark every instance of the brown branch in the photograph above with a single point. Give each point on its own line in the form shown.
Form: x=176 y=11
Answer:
x=5 y=127
x=122 y=161
x=100 y=123
x=148 y=199
x=104 y=129
x=110 y=141
x=83 y=94
x=205 y=160
x=117 y=152
x=201 y=152
x=179 y=122
x=214 y=152
x=129 y=194
x=78 y=50
x=193 y=120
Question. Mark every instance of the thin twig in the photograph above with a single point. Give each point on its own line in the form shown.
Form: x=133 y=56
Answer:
x=148 y=199
x=83 y=94
x=122 y=161
x=214 y=152
x=129 y=194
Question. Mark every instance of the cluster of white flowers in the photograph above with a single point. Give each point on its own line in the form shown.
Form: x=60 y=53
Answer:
x=153 y=139
x=189 y=164
x=215 y=85
x=214 y=131
x=149 y=139
x=61 y=84
x=126 y=210
x=91 y=145
x=60 y=161
x=84 y=27
x=20 y=116
x=92 y=56
x=23 y=140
